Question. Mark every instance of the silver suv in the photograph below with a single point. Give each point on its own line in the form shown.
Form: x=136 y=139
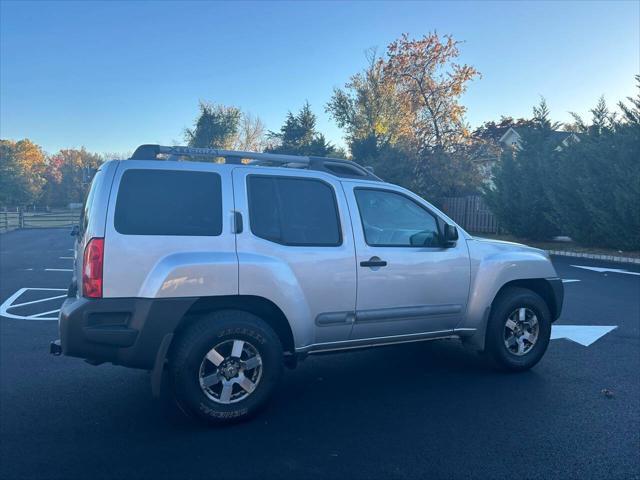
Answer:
x=218 y=273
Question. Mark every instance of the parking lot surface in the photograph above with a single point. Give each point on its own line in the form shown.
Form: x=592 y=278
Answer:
x=421 y=410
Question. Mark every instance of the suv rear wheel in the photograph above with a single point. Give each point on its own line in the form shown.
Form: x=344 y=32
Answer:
x=225 y=366
x=519 y=329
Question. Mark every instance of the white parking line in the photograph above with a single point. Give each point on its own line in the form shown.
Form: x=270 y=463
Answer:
x=58 y=269
x=39 y=316
x=570 y=280
x=36 y=301
x=66 y=258
x=8 y=304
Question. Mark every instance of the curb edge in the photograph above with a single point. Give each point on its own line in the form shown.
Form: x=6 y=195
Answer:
x=595 y=256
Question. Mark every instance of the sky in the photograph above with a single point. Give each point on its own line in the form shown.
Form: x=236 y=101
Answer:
x=112 y=75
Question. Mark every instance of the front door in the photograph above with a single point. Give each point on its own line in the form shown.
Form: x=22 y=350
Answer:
x=408 y=283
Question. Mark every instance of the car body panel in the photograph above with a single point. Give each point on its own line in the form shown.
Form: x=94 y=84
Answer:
x=94 y=215
x=153 y=266
x=303 y=281
x=493 y=265
x=421 y=289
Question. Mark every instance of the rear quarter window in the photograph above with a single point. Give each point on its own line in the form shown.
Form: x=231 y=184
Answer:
x=169 y=202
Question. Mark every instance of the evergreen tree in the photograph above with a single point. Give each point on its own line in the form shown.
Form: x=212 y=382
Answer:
x=595 y=188
x=216 y=127
x=518 y=195
x=298 y=136
x=631 y=113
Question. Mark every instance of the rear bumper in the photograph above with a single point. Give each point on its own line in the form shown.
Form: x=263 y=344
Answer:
x=124 y=331
x=557 y=290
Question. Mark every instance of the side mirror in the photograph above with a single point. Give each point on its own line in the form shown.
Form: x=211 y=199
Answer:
x=75 y=231
x=450 y=235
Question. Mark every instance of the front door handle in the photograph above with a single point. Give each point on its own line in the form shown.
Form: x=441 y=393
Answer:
x=373 y=262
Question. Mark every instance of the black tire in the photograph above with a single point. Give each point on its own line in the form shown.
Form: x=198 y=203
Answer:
x=507 y=302
x=196 y=341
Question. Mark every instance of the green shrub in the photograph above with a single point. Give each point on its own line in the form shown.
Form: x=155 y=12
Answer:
x=596 y=188
x=588 y=190
x=518 y=195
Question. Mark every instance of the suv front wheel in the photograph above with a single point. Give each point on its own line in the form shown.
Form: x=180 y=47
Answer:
x=519 y=329
x=225 y=366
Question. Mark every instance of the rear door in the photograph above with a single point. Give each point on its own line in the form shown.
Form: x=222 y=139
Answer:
x=296 y=249
x=169 y=231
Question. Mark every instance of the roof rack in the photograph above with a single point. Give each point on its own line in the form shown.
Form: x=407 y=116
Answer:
x=334 y=166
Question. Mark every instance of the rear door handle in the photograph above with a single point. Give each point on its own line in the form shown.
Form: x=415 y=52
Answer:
x=373 y=262
x=237 y=222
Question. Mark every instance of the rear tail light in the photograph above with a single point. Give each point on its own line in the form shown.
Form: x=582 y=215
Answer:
x=92 y=268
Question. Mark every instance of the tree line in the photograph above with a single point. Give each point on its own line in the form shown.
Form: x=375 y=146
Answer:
x=29 y=177
x=403 y=116
x=588 y=190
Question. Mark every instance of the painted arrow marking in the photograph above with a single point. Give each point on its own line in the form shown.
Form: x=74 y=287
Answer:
x=582 y=334
x=604 y=270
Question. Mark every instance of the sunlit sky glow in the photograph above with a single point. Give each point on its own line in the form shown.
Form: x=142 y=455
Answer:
x=110 y=76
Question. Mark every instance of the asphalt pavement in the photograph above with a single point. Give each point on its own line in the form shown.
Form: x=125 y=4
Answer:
x=421 y=410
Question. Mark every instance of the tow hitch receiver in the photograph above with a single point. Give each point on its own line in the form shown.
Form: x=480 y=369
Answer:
x=55 y=348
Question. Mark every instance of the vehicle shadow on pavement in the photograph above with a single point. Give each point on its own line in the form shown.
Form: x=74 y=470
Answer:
x=393 y=383
x=352 y=414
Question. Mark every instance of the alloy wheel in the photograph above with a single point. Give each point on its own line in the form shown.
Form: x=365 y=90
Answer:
x=521 y=331
x=230 y=371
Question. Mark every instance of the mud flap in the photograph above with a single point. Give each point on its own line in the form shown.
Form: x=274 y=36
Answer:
x=158 y=367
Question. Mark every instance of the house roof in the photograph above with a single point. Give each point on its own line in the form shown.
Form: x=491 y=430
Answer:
x=558 y=135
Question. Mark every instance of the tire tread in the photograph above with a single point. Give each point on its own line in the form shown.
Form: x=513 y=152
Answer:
x=218 y=324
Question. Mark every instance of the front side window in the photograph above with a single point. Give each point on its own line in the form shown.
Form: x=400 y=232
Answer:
x=390 y=219
x=169 y=202
x=293 y=211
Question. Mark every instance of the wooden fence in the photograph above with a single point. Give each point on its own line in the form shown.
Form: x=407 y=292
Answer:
x=9 y=221
x=472 y=214
x=53 y=219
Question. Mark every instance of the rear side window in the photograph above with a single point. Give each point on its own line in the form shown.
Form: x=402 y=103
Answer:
x=169 y=202
x=293 y=211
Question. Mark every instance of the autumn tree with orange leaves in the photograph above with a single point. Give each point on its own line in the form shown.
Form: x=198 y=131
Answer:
x=22 y=172
x=432 y=82
x=410 y=98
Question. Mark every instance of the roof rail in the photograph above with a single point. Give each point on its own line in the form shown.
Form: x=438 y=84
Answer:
x=334 y=166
